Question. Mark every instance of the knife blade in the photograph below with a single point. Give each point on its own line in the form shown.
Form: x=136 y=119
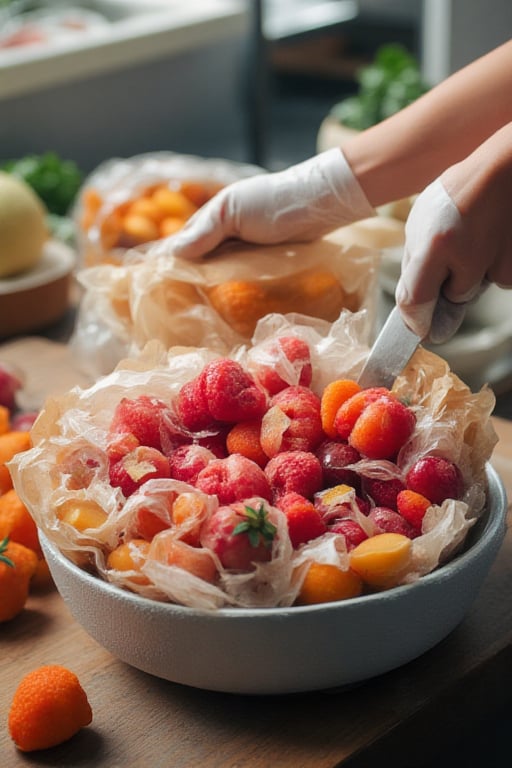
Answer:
x=390 y=353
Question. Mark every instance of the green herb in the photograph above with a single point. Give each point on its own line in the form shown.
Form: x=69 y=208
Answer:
x=54 y=180
x=256 y=526
x=386 y=86
x=3 y=558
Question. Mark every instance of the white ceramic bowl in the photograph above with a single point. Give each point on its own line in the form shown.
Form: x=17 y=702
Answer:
x=279 y=651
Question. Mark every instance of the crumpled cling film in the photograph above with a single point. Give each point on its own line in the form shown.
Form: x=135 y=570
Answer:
x=450 y=419
x=217 y=302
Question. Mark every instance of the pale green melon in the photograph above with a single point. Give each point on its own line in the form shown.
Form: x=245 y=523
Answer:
x=23 y=229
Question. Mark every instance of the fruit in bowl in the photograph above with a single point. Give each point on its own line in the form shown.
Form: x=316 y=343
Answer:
x=182 y=478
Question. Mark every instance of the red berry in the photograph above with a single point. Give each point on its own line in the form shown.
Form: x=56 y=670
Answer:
x=297 y=471
x=383 y=492
x=187 y=461
x=334 y=457
x=304 y=521
x=192 y=406
x=389 y=521
x=354 y=534
x=287 y=362
x=234 y=478
x=292 y=423
x=142 y=417
x=382 y=429
x=240 y=534
x=135 y=468
x=231 y=392
x=435 y=478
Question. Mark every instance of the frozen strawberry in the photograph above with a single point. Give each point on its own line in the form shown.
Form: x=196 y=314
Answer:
x=292 y=423
x=412 y=506
x=141 y=417
x=334 y=457
x=435 y=478
x=298 y=471
x=350 y=410
x=233 y=479
x=304 y=521
x=389 y=521
x=215 y=442
x=119 y=445
x=231 y=392
x=187 y=461
x=354 y=534
x=240 y=534
x=135 y=468
x=192 y=405
x=383 y=492
x=382 y=429
x=287 y=362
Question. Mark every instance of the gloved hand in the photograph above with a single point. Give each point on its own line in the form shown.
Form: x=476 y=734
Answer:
x=299 y=204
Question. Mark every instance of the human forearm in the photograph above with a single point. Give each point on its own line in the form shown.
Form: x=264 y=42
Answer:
x=403 y=154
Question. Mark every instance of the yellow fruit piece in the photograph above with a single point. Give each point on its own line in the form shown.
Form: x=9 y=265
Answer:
x=82 y=514
x=140 y=228
x=382 y=560
x=23 y=229
x=48 y=708
x=170 y=225
x=130 y=556
x=335 y=494
x=325 y=583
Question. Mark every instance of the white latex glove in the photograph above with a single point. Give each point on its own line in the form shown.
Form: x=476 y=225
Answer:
x=299 y=204
x=433 y=247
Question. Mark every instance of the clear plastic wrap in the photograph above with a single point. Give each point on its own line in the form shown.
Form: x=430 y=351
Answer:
x=69 y=462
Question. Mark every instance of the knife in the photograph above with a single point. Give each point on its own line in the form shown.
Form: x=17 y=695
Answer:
x=396 y=343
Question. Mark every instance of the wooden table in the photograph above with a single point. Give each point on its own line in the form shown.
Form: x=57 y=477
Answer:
x=405 y=717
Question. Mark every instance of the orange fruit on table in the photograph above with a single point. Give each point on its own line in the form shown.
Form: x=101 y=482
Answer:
x=10 y=444
x=49 y=707
x=16 y=522
x=17 y=566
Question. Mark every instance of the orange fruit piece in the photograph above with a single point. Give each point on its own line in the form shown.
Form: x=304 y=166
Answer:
x=240 y=303
x=5 y=420
x=139 y=229
x=244 y=438
x=16 y=522
x=334 y=395
x=49 y=706
x=11 y=443
x=82 y=514
x=17 y=566
x=130 y=556
x=173 y=203
x=325 y=583
x=170 y=225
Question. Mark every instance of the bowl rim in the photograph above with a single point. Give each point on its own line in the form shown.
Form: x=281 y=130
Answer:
x=494 y=526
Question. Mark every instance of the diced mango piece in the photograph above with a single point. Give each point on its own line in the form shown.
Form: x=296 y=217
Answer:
x=325 y=583
x=82 y=514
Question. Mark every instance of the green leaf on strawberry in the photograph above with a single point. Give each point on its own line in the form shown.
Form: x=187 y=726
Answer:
x=257 y=526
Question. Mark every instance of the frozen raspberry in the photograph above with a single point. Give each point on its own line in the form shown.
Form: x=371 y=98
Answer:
x=334 y=457
x=135 y=468
x=231 y=392
x=435 y=478
x=289 y=363
x=297 y=471
x=141 y=417
x=192 y=406
x=304 y=521
x=354 y=534
x=240 y=535
x=383 y=492
x=233 y=479
x=292 y=423
x=382 y=429
x=187 y=461
x=412 y=506
x=389 y=521
x=350 y=410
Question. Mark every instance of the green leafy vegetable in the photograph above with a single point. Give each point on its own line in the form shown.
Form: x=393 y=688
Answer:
x=54 y=180
x=386 y=86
